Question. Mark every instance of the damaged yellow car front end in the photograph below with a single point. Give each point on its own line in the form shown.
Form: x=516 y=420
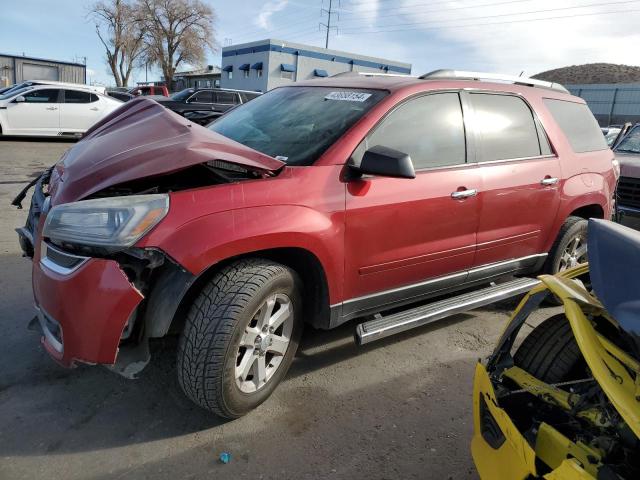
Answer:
x=582 y=428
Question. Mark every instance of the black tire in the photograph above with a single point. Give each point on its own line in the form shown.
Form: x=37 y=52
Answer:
x=572 y=227
x=550 y=352
x=215 y=324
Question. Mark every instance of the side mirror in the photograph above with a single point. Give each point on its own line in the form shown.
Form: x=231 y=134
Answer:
x=385 y=162
x=20 y=99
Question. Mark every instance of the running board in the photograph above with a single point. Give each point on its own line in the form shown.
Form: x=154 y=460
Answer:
x=416 y=317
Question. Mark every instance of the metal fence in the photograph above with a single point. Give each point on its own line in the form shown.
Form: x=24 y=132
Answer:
x=611 y=104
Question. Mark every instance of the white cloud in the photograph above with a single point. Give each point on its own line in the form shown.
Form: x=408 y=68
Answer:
x=263 y=20
x=585 y=35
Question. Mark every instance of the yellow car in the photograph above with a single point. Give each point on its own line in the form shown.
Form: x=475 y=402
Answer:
x=566 y=404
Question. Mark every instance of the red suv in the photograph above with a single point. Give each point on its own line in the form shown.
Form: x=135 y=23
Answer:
x=314 y=204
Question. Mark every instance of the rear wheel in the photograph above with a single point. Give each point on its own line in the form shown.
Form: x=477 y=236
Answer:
x=570 y=247
x=550 y=352
x=240 y=337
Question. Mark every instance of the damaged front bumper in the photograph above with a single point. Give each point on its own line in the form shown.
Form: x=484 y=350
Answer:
x=82 y=310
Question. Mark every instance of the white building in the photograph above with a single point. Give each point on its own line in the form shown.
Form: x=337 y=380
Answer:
x=271 y=63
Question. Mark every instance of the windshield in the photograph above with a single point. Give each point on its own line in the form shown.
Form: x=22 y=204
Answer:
x=296 y=124
x=631 y=141
x=182 y=95
x=15 y=91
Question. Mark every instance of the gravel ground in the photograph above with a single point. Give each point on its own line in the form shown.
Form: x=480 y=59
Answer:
x=399 y=408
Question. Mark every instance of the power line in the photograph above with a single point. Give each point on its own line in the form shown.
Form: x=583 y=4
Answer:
x=547 y=10
x=445 y=27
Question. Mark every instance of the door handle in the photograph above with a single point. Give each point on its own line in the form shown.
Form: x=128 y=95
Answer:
x=464 y=194
x=95 y=109
x=549 y=181
x=52 y=108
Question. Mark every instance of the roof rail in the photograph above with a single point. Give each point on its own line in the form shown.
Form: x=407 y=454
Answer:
x=463 y=75
x=370 y=74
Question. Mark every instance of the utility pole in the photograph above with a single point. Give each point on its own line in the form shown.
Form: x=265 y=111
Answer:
x=328 y=26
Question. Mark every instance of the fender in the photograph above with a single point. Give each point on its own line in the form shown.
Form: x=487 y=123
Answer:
x=207 y=240
x=574 y=197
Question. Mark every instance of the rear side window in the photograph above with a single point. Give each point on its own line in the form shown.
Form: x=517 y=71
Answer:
x=75 y=96
x=429 y=128
x=227 y=98
x=505 y=127
x=578 y=124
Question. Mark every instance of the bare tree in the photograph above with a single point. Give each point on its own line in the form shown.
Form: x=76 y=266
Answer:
x=177 y=32
x=119 y=29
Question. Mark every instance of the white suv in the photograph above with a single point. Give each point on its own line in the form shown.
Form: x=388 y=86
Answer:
x=52 y=110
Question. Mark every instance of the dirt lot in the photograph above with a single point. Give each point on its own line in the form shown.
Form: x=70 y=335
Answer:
x=400 y=408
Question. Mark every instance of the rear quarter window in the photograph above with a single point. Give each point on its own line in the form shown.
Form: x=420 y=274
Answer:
x=578 y=124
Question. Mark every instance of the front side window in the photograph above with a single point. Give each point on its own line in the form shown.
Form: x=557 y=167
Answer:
x=429 y=128
x=202 y=97
x=41 y=96
x=296 y=124
x=578 y=124
x=505 y=127
x=76 y=96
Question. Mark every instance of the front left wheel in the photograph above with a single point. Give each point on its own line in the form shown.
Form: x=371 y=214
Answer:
x=240 y=336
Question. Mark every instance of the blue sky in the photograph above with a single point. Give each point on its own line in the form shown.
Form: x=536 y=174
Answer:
x=509 y=36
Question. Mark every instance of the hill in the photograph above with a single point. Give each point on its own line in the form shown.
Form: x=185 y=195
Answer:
x=592 y=73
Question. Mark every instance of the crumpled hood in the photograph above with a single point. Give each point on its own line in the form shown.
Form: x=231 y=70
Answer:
x=142 y=139
x=629 y=164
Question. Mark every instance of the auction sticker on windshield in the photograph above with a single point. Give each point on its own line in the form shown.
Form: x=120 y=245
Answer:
x=348 y=96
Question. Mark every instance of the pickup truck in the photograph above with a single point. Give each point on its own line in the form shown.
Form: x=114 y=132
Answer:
x=359 y=196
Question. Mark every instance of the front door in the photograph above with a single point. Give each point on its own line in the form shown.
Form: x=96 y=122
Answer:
x=519 y=180
x=403 y=232
x=39 y=114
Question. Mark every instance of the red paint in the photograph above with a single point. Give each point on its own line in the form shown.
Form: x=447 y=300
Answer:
x=369 y=235
x=92 y=306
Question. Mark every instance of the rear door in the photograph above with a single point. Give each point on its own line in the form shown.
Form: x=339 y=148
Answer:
x=403 y=232
x=520 y=177
x=39 y=114
x=80 y=110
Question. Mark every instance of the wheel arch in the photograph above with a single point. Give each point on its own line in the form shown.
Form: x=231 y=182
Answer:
x=304 y=262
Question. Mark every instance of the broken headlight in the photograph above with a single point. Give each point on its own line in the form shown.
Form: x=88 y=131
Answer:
x=115 y=222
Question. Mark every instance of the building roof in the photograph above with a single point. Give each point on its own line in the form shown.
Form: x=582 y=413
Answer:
x=63 y=62
x=276 y=45
x=208 y=70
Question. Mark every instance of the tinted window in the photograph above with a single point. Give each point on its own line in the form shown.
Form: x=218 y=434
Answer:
x=296 y=124
x=182 y=95
x=41 y=96
x=505 y=126
x=429 y=128
x=75 y=96
x=94 y=98
x=227 y=98
x=578 y=124
x=202 y=97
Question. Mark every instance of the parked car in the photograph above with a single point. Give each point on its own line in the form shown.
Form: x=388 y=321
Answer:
x=31 y=83
x=45 y=110
x=565 y=405
x=315 y=203
x=614 y=133
x=628 y=192
x=204 y=105
x=149 y=90
x=122 y=96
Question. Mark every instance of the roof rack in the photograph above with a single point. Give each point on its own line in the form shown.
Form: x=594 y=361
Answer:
x=371 y=74
x=463 y=75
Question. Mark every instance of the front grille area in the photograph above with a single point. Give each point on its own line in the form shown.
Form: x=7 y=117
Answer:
x=629 y=192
